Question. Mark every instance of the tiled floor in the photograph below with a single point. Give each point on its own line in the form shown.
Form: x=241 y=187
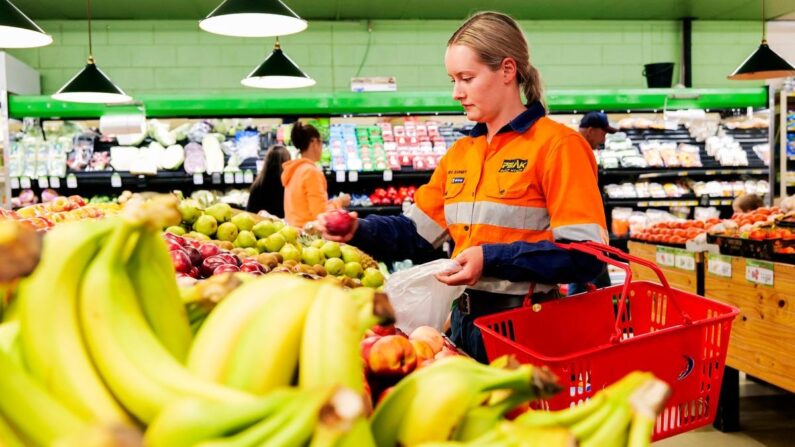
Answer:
x=767 y=417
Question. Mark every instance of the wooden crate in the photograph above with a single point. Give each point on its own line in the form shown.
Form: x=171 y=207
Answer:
x=685 y=280
x=763 y=334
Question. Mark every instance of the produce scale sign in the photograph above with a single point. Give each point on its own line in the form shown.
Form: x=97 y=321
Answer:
x=759 y=272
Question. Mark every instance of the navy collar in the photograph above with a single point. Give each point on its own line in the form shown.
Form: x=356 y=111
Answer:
x=521 y=123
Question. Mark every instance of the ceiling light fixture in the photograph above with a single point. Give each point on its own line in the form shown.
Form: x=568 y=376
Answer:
x=763 y=63
x=278 y=71
x=18 y=31
x=253 y=18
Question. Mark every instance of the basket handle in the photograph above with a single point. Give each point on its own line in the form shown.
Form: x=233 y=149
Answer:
x=599 y=251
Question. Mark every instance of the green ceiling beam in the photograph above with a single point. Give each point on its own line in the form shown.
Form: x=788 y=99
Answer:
x=282 y=104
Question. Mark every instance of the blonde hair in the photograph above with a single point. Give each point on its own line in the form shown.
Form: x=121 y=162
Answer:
x=494 y=36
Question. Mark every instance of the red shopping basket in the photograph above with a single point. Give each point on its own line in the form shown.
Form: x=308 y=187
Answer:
x=593 y=339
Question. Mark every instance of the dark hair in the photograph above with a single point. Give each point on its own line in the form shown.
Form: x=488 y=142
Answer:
x=303 y=134
x=748 y=202
x=267 y=192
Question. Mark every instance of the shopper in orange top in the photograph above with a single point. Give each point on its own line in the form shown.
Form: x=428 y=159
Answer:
x=503 y=194
x=305 y=188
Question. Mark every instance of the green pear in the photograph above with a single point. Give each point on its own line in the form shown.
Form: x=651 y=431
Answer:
x=290 y=252
x=332 y=249
x=334 y=266
x=312 y=256
x=245 y=239
x=350 y=254
x=227 y=231
x=290 y=234
x=274 y=242
x=263 y=229
x=190 y=210
x=317 y=243
x=372 y=278
x=243 y=221
x=176 y=229
x=206 y=225
x=352 y=270
x=222 y=212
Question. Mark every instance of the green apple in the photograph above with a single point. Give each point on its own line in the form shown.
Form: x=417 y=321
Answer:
x=312 y=256
x=290 y=233
x=274 y=242
x=245 y=239
x=373 y=278
x=352 y=270
x=222 y=212
x=317 y=243
x=350 y=254
x=227 y=231
x=190 y=210
x=243 y=221
x=334 y=266
x=206 y=225
x=263 y=229
x=332 y=249
x=176 y=229
x=290 y=252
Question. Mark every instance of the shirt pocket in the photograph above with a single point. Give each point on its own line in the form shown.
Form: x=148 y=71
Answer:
x=508 y=185
x=454 y=187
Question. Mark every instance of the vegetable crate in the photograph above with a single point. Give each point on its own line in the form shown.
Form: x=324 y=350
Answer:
x=593 y=339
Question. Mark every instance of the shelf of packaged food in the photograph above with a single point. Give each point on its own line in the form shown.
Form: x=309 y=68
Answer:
x=646 y=173
x=339 y=103
x=386 y=210
x=689 y=200
x=379 y=176
x=163 y=180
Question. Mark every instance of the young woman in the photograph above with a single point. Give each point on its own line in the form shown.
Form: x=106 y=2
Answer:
x=305 y=188
x=503 y=194
x=267 y=191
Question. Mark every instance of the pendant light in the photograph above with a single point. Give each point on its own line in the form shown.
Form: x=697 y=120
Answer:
x=278 y=71
x=764 y=63
x=91 y=84
x=18 y=31
x=253 y=18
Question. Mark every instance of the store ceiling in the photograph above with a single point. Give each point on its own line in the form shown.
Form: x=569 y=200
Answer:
x=426 y=9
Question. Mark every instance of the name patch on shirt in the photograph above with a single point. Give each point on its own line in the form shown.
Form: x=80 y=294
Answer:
x=456 y=180
x=515 y=165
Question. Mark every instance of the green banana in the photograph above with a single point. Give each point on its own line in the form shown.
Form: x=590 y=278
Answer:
x=30 y=408
x=330 y=343
x=374 y=308
x=613 y=430
x=265 y=356
x=152 y=275
x=564 y=418
x=481 y=419
x=359 y=435
x=8 y=438
x=641 y=430
x=507 y=434
x=9 y=341
x=190 y=421
x=212 y=347
x=342 y=423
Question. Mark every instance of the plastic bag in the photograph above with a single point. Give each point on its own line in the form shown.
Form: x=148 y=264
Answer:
x=419 y=299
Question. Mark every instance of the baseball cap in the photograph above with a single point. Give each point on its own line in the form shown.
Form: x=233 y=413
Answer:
x=597 y=120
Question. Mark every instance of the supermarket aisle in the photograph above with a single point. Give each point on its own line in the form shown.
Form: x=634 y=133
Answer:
x=768 y=419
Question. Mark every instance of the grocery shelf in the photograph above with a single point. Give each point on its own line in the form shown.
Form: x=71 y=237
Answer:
x=397 y=176
x=688 y=200
x=163 y=180
x=645 y=173
x=280 y=104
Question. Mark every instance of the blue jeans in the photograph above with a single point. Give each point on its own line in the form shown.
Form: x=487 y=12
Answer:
x=466 y=336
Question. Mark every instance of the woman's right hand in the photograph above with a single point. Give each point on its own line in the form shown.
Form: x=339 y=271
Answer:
x=321 y=225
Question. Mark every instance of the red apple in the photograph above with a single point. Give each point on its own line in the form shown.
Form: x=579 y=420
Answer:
x=181 y=261
x=226 y=268
x=174 y=238
x=173 y=246
x=381 y=330
x=392 y=355
x=194 y=255
x=229 y=258
x=208 y=250
x=430 y=336
x=338 y=222
x=209 y=265
x=252 y=267
x=194 y=272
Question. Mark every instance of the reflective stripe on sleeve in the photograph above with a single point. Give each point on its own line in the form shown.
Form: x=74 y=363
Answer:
x=427 y=227
x=580 y=232
x=497 y=214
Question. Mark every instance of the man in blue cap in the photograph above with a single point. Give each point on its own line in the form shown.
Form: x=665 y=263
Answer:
x=594 y=126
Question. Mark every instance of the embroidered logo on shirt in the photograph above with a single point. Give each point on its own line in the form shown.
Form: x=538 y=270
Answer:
x=515 y=165
x=456 y=180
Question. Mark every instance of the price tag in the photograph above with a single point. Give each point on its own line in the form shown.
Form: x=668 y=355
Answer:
x=340 y=176
x=71 y=181
x=216 y=178
x=353 y=176
x=43 y=182
x=115 y=180
x=685 y=260
x=719 y=265
x=388 y=175
x=198 y=178
x=759 y=272
x=229 y=178
x=55 y=182
x=248 y=176
x=14 y=183
x=665 y=256
x=24 y=183
x=238 y=177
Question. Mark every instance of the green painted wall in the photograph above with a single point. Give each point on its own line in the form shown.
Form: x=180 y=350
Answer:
x=175 y=56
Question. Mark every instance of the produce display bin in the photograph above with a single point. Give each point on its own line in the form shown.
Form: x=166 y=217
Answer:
x=593 y=339
x=687 y=280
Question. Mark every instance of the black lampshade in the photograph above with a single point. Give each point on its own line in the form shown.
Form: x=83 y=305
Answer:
x=764 y=63
x=91 y=85
x=253 y=18
x=18 y=31
x=278 y=71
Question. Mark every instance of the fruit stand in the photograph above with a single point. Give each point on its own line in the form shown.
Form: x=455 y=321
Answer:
x=683 y=269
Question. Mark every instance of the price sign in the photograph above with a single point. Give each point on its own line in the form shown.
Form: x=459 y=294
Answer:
x=71 y=181
x=340 y=176
x=353 y=176
x=720 y=265
x=388 y=175
x=248 y=176
x=24 y=182
x=198 y=178
x=238 y=177
x=43 y=182
x=55 y=182
x=216 y=178
x=229 y=178
x=665 y=256
x=759 y=272
x=115 y=180
x=14 y=183
x=685 y=260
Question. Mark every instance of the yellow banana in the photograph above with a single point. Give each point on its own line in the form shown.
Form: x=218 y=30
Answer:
x=153 y=278
x=212 y=347
x=9 y=341
x=612 y=432
x=507 y=434
x=374 y=308
x=265 y=356
x=482 y=418
x=8 y=438
x=330 y=344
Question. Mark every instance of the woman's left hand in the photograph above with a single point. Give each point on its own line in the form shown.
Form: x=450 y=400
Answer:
x=471 y=261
